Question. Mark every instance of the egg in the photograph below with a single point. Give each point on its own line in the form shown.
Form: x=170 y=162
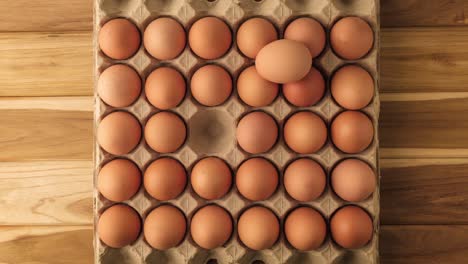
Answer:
x=254 y=34
x=352 y=87
x=165 y=227
x=210 y=38
x=119 y=85
x=308 y=31
x=165 y=179
x=351 y=227
x=258 y=228
x=164 y=38
x=353 y=180
x=211 y=227
x=118 y=133
x=165 y=88
x=119 y=39
x=165 y=132
x=119 y=180
x=119 y=226
x=352 y=132
x=257 y=132
x=304 y=180
x=257 y=179
x=254 y=90
x=305 y=229
x=305 y=132
x=211 y=178
x=211 y=85
x=351 y=38
x=283 y=61
x=307 y=91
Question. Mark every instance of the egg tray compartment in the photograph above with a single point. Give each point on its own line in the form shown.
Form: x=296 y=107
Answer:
x=198 y=119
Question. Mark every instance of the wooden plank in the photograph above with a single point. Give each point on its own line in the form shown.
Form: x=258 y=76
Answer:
x=423 y=244
x=412 y=60
x=46 y=134
x=413 y=191
x=424 y=191
x=434 y=123
x=73 y=15
x=73 y=244
x=45 y=64
x=426 y=13
x=46 y=192
x=424 y=60
x=44 y=15
x=52 y=128
x=46 y=244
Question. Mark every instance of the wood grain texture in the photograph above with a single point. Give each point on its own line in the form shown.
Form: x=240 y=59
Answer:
x=76 y=15
x=44 y=15
x=424 y=244
x=405 y=13
x=46 y=244
x=413 y=191
x=61 y=64
x=424 y=59
x=46 y=192
x=424 y=191
x=45 y=64
x=46 y=134
x=73 y=244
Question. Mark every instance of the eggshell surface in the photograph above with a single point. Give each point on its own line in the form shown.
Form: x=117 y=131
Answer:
x=211 y=85
x=351 y=227
x=119 y=39
x=305 y=229
x=308 y=31
x=353 y=180
x=164 y=38
x=255 y=90
x=304 y=180
x=119 y=226
x=351 y=38
x=165 y=227
x=211 y=227
x=210 y=38
x=283 y=61
x=352 y=131
x=165 y=88
x=119 y=180
x=165 y=132
x=254 y=34
x=211 y=178
x=119 y=133
x=305 y=132
x=257 y=179
x=257 y=132
x=165 y=179
x=307 y=91
x=258 y=228
x=119 y=85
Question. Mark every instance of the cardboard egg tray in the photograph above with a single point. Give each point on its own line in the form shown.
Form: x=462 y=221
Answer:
x=211 y=130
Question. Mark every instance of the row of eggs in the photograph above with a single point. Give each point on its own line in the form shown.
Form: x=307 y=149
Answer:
x=210 y=37
x=257 y=132
x=258 y=227
x=256 y=179
x=119 y=85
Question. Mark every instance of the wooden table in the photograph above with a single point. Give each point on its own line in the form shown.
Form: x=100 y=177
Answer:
x=46 y=131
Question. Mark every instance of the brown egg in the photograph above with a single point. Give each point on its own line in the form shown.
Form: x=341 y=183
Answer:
x=352 y=87
x=119 y=226
x=119 y=39
x=351 y=38
x=304 y=180
x=353 y=180
x=165 y=88
x=258 y=228
x=351 y=227
x=211 y=178
x=165 y=227
x=211 y=85
x=211 y=227
x=119 y=133
x=257 y=132
x=305 y=229
x=283 y=61
x=165 y=132
x=352 y=131
x=254 y=34
x=164 y=38
x=305 y=132
x=210 y=38
x=257 y=179
x=307 y=91
x=308 y=31
x=119 y=85
x=165 y=179
x=119 y=180
x=254 y=90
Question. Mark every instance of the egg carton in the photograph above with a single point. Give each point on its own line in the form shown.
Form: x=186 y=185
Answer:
x=224 y=118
